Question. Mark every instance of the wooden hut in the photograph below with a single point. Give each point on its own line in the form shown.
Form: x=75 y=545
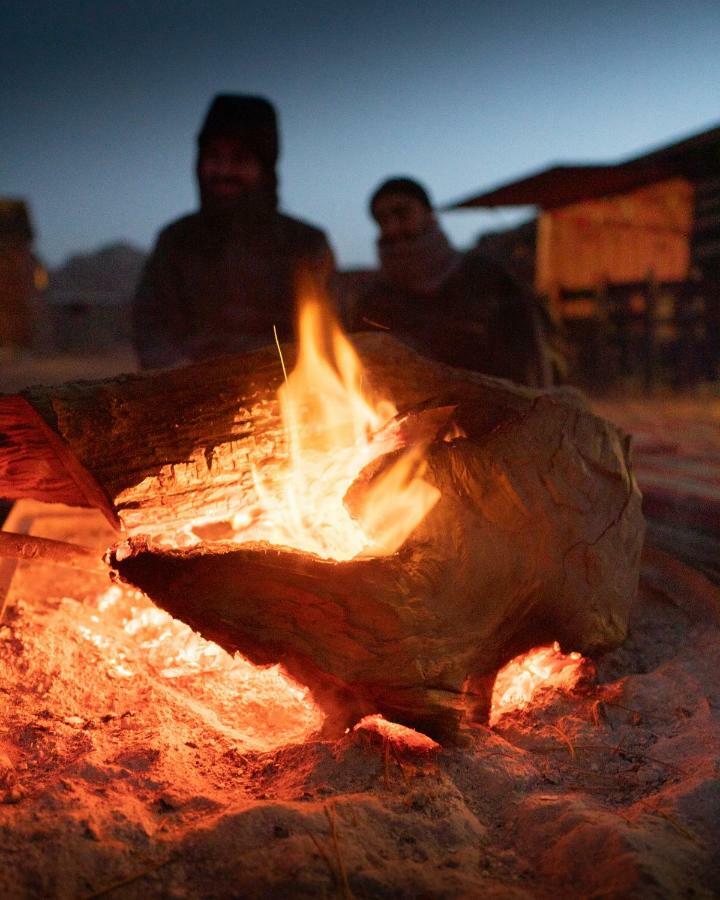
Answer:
x=628 y=254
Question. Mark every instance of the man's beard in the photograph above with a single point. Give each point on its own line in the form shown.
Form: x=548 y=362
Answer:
x=244 y=202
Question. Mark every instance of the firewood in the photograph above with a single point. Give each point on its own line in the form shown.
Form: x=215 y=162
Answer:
x=35 y=461
x=60 y=553
x=158 y=449
x=536 y=537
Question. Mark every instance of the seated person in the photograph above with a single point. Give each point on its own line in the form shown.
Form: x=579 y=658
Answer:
x=219 y=279
x=458 y=308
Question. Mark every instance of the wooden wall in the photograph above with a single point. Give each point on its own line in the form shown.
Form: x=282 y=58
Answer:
x=706 y=233
x=16 y=289
x=616 y=240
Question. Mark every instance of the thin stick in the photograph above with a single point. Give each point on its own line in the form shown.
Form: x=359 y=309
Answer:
x=400 y=765
x=330 y=814
x=324 y=855
x=4 y=594
x=123 y=882
x=566 y=739
x=279 y=350
x=637 y=754
x=685 y=832
x=61 y=553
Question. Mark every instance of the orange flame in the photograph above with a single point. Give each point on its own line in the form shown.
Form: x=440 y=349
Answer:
x=522 y=678
x=333 y=430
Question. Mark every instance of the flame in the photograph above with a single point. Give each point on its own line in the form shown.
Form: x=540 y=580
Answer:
x=522 y=678
x=333 y=429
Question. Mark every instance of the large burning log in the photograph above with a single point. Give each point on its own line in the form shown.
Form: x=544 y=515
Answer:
x=536 y=535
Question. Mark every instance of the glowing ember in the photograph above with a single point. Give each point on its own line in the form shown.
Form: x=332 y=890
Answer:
x=399 y=735
x=522 y=678
x=259 y=706
x=333 y=430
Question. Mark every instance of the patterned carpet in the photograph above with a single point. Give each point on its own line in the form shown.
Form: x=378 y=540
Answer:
x=676 y=444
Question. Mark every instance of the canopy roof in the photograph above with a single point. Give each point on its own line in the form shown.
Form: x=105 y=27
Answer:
x=559 y=185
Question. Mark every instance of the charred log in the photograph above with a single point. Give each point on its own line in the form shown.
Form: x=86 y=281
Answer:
x=157 y=449
x=537 y=535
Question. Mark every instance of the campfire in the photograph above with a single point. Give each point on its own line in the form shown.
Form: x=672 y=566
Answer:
x=391 y=531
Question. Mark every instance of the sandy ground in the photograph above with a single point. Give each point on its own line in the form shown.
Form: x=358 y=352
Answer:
x=138 y=761
x=23 y=368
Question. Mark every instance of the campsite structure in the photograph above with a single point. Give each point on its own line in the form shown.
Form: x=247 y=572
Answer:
x=627 y=255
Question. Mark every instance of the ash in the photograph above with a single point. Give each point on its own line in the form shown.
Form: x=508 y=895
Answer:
x=137 y=760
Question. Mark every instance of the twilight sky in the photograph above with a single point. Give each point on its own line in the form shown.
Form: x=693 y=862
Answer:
x=100 y=101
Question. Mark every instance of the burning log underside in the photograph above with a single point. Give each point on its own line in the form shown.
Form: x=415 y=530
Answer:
x=536 y=537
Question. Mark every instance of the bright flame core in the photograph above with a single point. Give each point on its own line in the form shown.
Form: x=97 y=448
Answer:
x=333 y=430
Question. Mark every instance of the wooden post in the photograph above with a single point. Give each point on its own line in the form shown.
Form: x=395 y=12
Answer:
x=650 y=341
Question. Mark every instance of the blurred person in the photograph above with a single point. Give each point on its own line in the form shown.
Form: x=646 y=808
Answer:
x=19 y=272
x=218 y=280
x=458 y=308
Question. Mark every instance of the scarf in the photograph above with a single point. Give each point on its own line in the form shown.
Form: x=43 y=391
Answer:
x=418 y=264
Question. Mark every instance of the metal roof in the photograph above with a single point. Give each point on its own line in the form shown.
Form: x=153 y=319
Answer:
x=559 y=185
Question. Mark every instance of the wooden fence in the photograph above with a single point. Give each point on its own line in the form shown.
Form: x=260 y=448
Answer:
x=647 y=332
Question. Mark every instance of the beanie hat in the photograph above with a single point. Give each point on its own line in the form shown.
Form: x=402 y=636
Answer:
x=401 y=185
x=249 y=119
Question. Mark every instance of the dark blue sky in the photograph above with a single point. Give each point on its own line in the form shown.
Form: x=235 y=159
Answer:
x=100 y=101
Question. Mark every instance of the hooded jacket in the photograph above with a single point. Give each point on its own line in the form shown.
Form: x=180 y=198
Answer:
x=217 y=281
x=216 y=284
